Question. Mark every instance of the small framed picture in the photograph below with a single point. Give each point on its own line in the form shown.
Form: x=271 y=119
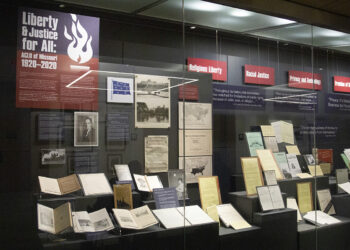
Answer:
x=120 y=90
x=53 y=156
x=85 y=129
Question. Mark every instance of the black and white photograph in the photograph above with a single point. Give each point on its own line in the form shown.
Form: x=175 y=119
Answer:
x=197 y=115
x=195 y=167
x=152 y=98
x=101 y=225
x=85 y=129
x=53 y=156
x=176 y=179
x=309 y=158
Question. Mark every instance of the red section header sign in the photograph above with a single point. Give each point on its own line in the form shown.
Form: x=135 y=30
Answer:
x=341 y=84
x=259 y=75
x=217 y=68
x=303 y=80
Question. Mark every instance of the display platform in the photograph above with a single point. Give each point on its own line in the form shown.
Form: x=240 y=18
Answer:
x=335 y=237
x=247 y=205
x=341 y=203
x=240 y=239
x=154 y=237
x=278 y=229
x=289 y=186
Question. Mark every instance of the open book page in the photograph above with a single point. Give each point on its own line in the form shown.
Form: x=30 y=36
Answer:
x=62 y=217
x=144 y=217
x=95 y=184
x=345 y=186
x=69 y=184
x=154 y=182
x=212 y=211
x=276 y=197
x=265 y=198
x=195 y=215
x=49 y=185
x=170 y=218
x=45 y=219
x=82 y=222
x=123 y=172
x=228 y=214
x=125 y=218
x=141 y=183
x=101 y=221
x=292 y=203
x=320 y=218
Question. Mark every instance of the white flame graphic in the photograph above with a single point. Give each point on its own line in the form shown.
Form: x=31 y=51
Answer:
x=79 y=49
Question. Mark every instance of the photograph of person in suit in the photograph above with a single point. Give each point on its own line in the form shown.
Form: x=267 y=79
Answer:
x=85 y=129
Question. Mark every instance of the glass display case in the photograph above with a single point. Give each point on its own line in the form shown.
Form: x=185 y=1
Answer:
x=172 y=125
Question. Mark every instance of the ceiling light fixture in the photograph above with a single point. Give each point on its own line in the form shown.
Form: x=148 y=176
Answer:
x=203 y=6
x=240 y=13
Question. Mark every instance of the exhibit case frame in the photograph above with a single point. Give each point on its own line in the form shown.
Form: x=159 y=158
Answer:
x=179 y=124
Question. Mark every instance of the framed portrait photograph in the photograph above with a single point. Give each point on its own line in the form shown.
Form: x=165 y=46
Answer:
x=85 y=129
x=120 y=90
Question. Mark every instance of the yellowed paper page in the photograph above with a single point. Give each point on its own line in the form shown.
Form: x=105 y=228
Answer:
x=287 y=132
x=315 y=170
x=304 y=175
x=240 y=224
x=209 y=191
x=267 y=130
x=268 y=162
x=212 y=211
x=252 y=174
x=197 y=142
x=293 y=149
x=304 y=197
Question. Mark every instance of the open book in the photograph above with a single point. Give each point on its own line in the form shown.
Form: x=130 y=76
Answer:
x=147 y=183
x=270 y=197
x=138 y=218
x=92 y=222
x=320 y=218
x=174 y=217
x=54 y=220
x=95 y=184
x=230 y=217
x=60 y=186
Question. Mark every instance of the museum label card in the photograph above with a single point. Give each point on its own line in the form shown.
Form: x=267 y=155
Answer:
x=156 y=154
x=268 y=162
x=305 y=197
x=267 y=130
x=292 y=149
x=209 y=191
x=165 y=197
x=254 y=141
x=197 y=142
x=197 y=115
x=252 y=174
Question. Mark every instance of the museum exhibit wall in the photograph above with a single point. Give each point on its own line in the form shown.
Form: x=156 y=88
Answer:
x=158 y=45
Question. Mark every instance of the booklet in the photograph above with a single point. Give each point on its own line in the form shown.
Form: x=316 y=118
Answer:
x=60 y=186
x=270 y=197
x=95 y=184
x=230 y=217
x=54 y=220
x=138 y=218
x=92 y=222
x=147 y=183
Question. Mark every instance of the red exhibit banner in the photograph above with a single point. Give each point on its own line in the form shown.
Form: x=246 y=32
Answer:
x=218 y=69
x=341 y=83
x=304 y=80
x=54 y=49
x=259 y=75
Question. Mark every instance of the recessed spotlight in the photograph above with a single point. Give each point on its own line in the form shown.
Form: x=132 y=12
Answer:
x=203 y=6
x=320 y=69
x=286 y=44
x=61 y=5
x=193 y=27
x=240 y=13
